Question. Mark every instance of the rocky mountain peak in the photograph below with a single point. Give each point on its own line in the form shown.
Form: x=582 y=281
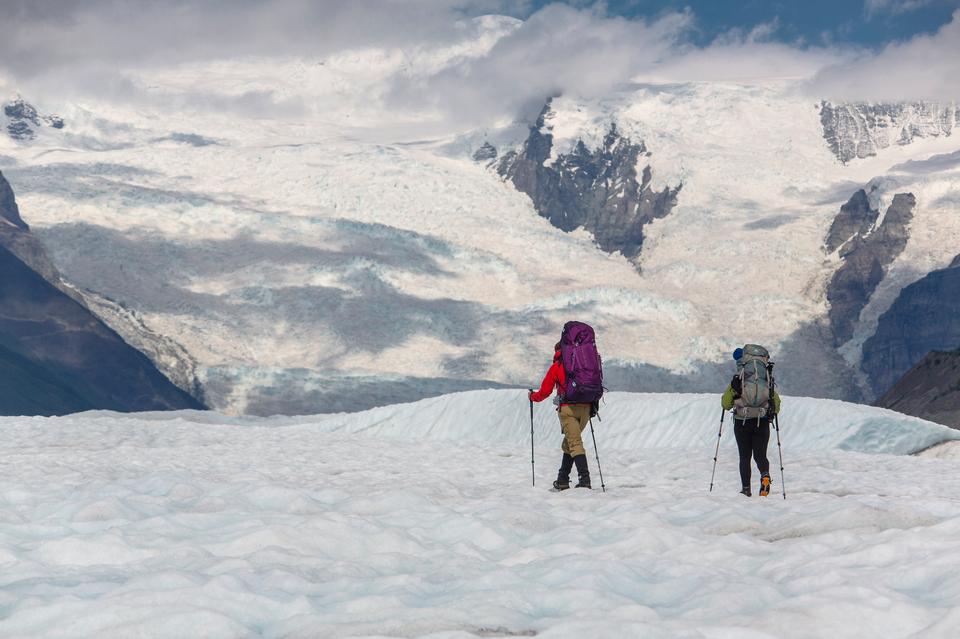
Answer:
x=23 y=119
x=599 y=189
x=855 y=219
x=867 y=250
x=9 y=211
x=861 y=130
x=485 y=153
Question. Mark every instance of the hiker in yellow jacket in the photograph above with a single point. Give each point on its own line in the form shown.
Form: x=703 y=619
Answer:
x=754 y=401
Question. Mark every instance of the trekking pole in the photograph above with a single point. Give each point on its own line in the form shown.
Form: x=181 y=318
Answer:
x=533 y=473
x=716 y=453
x=597 y=453
x=776 y=423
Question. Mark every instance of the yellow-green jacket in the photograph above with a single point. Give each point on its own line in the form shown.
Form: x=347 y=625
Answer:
x=727 y=400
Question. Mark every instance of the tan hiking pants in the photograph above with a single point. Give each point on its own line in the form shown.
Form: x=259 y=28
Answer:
x=573 y=419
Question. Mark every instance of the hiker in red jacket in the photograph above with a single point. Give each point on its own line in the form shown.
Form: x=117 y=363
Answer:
x=573 y=419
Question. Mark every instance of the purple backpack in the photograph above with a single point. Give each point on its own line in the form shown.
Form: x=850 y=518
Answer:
x=581 y=364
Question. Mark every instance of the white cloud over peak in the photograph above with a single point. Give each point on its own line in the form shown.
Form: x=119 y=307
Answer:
x=449 y=75
x=926 y=67
x=557 y=50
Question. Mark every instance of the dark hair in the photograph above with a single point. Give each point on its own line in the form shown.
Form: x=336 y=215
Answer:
x=557 y=347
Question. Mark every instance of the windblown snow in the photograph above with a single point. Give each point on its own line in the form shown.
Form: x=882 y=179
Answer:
x=419 y=520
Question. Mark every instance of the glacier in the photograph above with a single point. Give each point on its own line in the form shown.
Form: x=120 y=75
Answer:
x=254 y=256
x=419 y=520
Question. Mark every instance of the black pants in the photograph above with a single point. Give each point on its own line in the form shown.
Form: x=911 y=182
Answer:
x=753 y=435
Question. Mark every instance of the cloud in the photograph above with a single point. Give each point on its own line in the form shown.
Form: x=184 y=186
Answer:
x=585 y=52
x=872 y=8
x=558 y=49
x=746 y=61
x=927 y=67
x=100 y=48
x=443 y=82
x=762 y=32
x=40 y=35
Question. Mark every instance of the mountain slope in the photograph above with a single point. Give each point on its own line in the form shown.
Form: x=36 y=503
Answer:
x=32 y=388
x=866 y=256
x=930 y=390
x=863 y=130
x=598 y=190
x=924 y=317
x=58 y=358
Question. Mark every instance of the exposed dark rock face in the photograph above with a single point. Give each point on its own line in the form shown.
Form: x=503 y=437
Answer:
x=598 y=190
x=22 y=115
x=9 y=211
x=866 y=256
x=16 y=237
x=925 y=317
x=20 y=110
x=861 y=130
x=56 y=357
x=168 y=355
x=855 y=218
x=931 y=389
x=485 y=153
x=19 y=130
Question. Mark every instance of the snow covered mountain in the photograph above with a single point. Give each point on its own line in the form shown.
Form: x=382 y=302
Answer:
x=863 y=130
x=597 y=190
x=23 y=118
x=419 y=520
x=310 y=235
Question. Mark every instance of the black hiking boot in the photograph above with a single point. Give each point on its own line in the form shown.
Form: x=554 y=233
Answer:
x=582 y=471
x=746 y=492
x=765 y=485
x=563 y=475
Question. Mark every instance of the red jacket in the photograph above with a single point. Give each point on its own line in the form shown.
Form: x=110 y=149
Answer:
x=555 y=378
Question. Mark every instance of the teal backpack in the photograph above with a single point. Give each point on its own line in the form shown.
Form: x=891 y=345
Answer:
x=753 y=368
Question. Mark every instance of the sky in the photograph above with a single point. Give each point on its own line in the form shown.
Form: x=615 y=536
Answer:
x=870 y=23
x=843 y=50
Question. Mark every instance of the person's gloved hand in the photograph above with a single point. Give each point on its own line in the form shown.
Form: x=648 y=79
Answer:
x=736 y=386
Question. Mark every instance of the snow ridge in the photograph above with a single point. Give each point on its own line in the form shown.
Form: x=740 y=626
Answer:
x=419 y=521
